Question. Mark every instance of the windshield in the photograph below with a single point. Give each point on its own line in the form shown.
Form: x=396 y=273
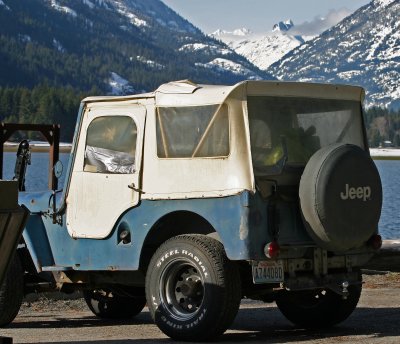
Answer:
x=289 y=130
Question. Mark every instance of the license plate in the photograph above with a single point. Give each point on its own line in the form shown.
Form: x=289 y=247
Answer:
x=268 y=272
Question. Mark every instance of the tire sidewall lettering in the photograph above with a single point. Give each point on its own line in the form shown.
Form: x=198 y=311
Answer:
x=184 y=326
x=171 y=254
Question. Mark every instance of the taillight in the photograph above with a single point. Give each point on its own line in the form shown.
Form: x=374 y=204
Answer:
x=375 y=241
x=272 y=249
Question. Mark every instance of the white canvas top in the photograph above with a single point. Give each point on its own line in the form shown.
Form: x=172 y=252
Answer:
x=187 y=93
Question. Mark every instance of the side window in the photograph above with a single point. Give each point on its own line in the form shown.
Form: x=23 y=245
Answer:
x=111 y=145
x=193 y=132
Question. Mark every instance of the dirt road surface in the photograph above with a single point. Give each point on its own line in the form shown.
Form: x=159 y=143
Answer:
x=376 y=320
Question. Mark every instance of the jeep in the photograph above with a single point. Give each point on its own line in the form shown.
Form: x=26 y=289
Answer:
x=192 y=197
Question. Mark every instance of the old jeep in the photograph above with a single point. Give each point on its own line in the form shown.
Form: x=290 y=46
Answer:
x=193 y=197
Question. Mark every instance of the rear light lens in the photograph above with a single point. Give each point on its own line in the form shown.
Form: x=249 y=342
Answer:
x=272 y=249
x=375 y=241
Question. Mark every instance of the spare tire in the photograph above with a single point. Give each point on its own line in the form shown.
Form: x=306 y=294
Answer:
x=340 y=197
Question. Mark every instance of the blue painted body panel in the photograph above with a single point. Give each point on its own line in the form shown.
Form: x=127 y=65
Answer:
x=232 y=218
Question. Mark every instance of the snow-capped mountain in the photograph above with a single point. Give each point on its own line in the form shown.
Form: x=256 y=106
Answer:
x=283 y=25
x=363 y=49
x=262 y=49
x=113 y=45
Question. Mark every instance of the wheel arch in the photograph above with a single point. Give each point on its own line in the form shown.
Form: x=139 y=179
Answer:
x=170 y=225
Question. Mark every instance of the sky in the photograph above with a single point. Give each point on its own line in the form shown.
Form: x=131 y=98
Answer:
x=260 y=15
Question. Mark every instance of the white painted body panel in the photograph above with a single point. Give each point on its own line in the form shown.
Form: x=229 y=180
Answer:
x=180 y=178
x=96 y=200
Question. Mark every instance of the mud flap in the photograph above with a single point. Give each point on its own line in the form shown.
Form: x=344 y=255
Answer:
x=12 y=223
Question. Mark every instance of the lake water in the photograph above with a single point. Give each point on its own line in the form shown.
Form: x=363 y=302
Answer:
x=389 y=225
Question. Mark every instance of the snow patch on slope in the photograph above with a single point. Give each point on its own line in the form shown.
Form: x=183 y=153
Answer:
x=3 y=4
x=88 y=3
x=224 y=65
x=118 y=85
x=148 y=62
x=63 y=9
x=57 y=45
x=24 y=38
x=382 y=3
x=205 y=48
x=126 y=12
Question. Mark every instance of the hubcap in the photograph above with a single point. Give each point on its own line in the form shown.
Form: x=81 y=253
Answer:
x=181 y=289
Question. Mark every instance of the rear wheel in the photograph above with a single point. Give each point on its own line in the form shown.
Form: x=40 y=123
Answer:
x=318 y=308
x=108 y=305
x=193 y=291
x=11 y=292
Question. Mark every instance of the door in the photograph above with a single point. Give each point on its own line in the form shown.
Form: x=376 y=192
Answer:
x=106 y=172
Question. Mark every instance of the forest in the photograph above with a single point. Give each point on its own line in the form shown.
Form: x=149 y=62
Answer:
x=41 y=105
x=59 y=105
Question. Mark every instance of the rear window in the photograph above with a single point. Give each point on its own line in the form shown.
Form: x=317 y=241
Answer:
x=295 y=128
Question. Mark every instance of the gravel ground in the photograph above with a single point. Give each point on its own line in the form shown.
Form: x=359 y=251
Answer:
x=376 y=320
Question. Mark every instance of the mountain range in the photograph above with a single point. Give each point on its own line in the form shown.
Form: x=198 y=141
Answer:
x=262 y=49
x=116 y=46
x=363 y=49
x=130 y=46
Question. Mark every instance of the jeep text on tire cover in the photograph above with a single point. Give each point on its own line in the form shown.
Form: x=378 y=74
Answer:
x=361 y=192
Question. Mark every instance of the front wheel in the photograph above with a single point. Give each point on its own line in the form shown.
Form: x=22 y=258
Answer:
x=193 y=291
x=318 y=308
x=108 y=305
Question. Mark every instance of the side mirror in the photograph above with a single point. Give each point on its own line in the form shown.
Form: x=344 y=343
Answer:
x=58 y=169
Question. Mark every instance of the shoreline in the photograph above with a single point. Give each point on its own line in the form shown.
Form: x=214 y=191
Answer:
x=38 y=146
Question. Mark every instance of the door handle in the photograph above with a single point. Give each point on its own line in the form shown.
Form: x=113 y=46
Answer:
x=134 y=188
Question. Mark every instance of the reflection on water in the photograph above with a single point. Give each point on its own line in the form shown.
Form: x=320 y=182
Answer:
x=389 y=225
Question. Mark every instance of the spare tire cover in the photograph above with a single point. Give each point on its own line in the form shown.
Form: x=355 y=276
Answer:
x=340 y=197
